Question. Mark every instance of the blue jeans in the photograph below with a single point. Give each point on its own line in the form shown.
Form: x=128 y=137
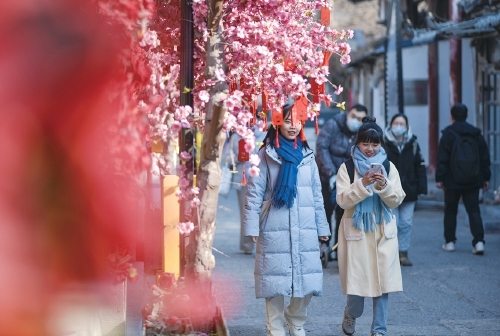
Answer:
x=404 y=219
x=355 y=306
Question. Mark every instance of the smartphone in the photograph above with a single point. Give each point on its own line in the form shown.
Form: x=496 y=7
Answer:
x=375 y=168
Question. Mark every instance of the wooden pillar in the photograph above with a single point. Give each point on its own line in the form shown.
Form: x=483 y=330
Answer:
x=455 y=57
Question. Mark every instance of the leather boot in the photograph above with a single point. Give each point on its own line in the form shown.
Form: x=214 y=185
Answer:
x=403 y=259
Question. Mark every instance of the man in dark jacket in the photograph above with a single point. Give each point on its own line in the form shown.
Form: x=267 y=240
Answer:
x=454 y=189
x=333 y=147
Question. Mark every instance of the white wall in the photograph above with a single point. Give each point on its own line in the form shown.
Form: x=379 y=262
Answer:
x=415 y=67
x=468 y=83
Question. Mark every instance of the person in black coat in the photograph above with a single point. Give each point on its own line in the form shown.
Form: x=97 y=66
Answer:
x=404 y=152
x=454 y=189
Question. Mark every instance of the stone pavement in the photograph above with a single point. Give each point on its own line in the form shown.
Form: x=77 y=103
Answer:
x=444 y=293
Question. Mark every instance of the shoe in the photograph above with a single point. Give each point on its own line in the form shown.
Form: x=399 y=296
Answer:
x=449 y=247
x=323 y=254
x=247 y=252
x=377 y=334
x=332 y=256
x=348 y=324
x=403 y=259
x=296 y=330
x=478 y=248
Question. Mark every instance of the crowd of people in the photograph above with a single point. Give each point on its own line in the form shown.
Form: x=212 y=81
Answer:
x=370 y=179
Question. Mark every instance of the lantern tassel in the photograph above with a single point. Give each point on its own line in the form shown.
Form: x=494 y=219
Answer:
x=243 y=178
x=277 y=139
x=302 y=135
x=316 y=127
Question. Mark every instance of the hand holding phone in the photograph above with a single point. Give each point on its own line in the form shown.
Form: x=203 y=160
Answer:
x=375 y=168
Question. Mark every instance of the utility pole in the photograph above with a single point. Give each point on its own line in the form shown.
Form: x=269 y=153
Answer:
x=186 y=138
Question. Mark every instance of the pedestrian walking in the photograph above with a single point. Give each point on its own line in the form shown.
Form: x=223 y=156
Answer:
x=237 y=170
x=333 y=147
x=404 y=152
x=368 y=187
x=284 y=215
x=463 y=169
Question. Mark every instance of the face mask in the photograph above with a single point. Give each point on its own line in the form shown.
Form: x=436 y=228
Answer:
x=353 y=124
x=398 y=130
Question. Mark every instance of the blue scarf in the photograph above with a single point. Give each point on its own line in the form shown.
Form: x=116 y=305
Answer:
x=285 y=189
x=372 y=210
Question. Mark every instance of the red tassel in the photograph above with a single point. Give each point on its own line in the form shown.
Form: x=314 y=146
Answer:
x=244 y=178
x=277 y=139
x=295 y=143
x=264 y=119
x=302 y=135
x=316 y=128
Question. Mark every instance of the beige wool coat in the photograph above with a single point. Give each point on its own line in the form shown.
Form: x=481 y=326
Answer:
x=368 y=261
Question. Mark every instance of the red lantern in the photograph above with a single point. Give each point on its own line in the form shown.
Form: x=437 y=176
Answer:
x=243 y=155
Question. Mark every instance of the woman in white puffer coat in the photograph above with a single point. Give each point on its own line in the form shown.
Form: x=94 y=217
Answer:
x=285 y=216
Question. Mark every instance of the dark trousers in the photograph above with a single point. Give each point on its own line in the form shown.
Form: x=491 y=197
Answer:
x=470 y=197
x=329 y=209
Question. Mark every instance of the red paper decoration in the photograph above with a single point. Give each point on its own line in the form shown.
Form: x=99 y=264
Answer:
x=325 y=16
x=265 y=97
x=301 y=105
x=243 y=155
x=289 y=65
x=277 y=118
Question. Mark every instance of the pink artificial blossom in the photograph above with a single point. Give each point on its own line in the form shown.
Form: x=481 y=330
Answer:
x=183 y=183
x=185 y=228
x=204 y=96
x=185 y=156
x=254 y=159
x=339 y=90
x=345 y=59
x=254 y=171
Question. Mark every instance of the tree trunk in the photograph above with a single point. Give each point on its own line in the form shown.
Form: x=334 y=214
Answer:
x=200 y=260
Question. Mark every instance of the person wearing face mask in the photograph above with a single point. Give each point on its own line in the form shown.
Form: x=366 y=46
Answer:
x=333 y=147
x=404 y=152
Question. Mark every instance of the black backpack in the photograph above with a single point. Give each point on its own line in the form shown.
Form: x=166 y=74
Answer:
x=464 y=160
x=349 y=164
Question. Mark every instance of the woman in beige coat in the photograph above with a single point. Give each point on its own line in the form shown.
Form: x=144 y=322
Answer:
x=368 y=245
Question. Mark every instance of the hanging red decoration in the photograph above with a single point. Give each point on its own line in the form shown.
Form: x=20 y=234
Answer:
x=253 y=109
x=277 y=118
x=302 y=134
x=301 y=104
x=317 y=90
x=326 y=57
x=243 y=155
x=243 y=178
x=233 y=86
x=265 y=97
x=289 y=65
x=325 y=16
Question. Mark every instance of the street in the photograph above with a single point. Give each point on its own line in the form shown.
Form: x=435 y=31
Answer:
x=445 y=293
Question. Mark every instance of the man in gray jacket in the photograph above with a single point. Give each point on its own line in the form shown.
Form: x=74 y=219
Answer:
x=333 y=147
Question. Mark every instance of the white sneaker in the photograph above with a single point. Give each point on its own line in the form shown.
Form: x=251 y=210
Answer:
x=449 y=247
x=478 y=248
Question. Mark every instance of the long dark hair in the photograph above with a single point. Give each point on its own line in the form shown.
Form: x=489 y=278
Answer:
x=271 y=132
x=370 y=132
